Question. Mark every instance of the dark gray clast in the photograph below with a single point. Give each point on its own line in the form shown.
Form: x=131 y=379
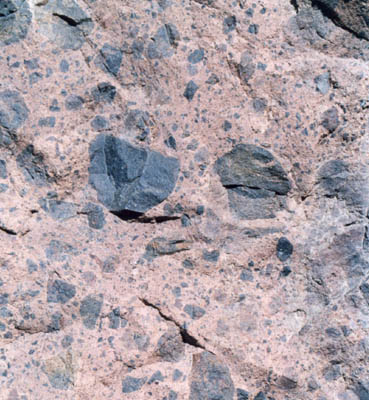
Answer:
x=255 y=181
x=129 y=178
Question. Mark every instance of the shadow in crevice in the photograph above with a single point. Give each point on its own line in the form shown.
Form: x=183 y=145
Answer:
x=134 y=216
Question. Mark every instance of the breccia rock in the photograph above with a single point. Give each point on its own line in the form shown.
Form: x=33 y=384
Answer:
x=129 y=178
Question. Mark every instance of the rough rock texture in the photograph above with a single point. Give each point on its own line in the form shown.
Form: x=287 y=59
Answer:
x=184 y=200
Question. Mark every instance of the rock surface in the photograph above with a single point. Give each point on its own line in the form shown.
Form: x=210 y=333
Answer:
x=184 y=200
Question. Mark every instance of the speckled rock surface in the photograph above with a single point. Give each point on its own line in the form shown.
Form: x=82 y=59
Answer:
x=184 y=194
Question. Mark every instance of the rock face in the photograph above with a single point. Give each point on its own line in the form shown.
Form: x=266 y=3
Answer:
x=256 y=183
x=184 y=200
x=129 y=178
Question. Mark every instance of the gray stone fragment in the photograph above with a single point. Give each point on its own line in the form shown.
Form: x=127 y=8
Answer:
x=163 y=43
x=322 y=83
x=60 y=292
x=284 y=249
x=109 y=59
x=170 y=346
x=47 y=122
x=115 y=319
x=330 y=120
x=3 y=171
x=95 y=216
x=246 y=67
x=362 y=390
x=104 y=92
x=196 y=56
x=190 y=90
x=129 y=178
x=138 y=122
x=256 y=183
x=59 y=371
x=156 y=377
x=90 y=310
x=15 y=19
x=210 y=379
x=195 y=312
x=61 y=210
x=131 y=384
x=351 y=15
x=74 y=102
x=161 y=246
x=59 y=251
x=242 y=394
x=338 y=179
x=229 y=24
x=13 y=113
x=99 y=123
x=33 y=166
x=64 y=23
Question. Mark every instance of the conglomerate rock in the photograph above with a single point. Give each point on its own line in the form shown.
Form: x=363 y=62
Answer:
x=184 y=200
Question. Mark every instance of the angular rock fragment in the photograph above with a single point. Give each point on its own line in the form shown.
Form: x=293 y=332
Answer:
x=104 y=92
x=287 y=383
x=130 y=179
x=256 y=183
x=109 y=59
x=139 y=122
x=74 y=102
x=59 y=251
x=330 y=119
x=337 y=179
x=64 y=23
x=260 y=396
x=190 y=90
x=170 y=346
x=60 y=292
x=284 y=249
x=15 y=18
x=351 y=15
x=59 y=371
x=13 y=114
x=3 y=171
x=322 y=83
x=131 y=384
x=242 y=394
x=161 y=246
x=229 y=24
x=95 y=216
x=60 y=210
x=33 y=166
x=162 y=44
x=364 y=288
x=246 y=67
x=210 y=379
x=196 y=56
x=195 y=312
x=90 y=310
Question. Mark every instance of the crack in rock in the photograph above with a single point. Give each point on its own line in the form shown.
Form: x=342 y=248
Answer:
x=187 y=338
